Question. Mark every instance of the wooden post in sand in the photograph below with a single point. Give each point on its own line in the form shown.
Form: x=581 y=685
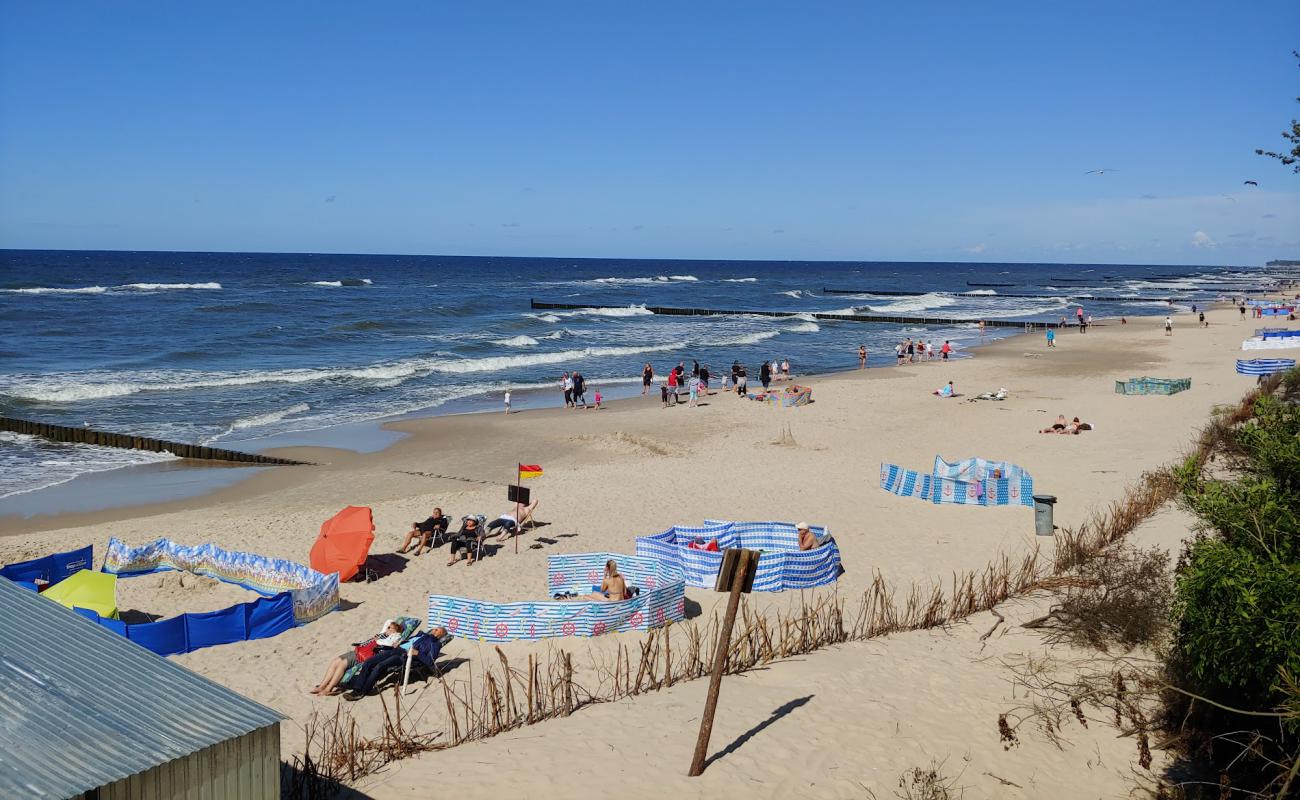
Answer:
x=737 y=576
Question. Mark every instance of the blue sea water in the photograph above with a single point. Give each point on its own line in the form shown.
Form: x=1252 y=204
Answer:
x=227 y=348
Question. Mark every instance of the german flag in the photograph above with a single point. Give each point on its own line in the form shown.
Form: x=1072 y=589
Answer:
x=529 y=470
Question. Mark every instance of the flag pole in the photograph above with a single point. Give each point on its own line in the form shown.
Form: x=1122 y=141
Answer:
x=519 y=480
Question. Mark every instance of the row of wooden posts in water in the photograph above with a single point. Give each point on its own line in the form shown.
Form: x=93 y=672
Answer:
x=65 y=433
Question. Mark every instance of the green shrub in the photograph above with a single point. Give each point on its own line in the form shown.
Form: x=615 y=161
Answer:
x=1237 y=620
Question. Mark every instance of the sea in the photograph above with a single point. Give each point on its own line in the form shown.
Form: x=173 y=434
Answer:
x=254 y=350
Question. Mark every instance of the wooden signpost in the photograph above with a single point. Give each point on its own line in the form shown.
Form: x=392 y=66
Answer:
x=737 y=577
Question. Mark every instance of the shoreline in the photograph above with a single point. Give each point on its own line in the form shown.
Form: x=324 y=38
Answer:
x=212 y=486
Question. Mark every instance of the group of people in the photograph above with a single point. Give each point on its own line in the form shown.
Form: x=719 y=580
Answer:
x=466 y=543
x=910 y=352
x=697 y=381
x=1061 y=426
x=574 y=386
x=377 y=657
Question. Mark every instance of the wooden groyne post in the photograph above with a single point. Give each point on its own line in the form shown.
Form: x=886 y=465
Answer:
x=64 y=433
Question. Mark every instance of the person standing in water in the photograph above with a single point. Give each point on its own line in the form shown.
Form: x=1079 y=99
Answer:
x=647 y=377
x=862 y=356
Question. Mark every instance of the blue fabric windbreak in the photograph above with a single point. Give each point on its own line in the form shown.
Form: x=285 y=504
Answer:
x=52 y=568
x=215 y=627
x=269 y=616
x=165 y=637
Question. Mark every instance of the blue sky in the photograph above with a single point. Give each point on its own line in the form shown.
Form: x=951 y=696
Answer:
x=925 y=131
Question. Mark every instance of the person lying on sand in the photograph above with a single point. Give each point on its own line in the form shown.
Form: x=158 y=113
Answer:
x=1057 y=426
x=510 y=521
x=946 y=391
x=467 y=539
x=389 y=636
x=1061 y=426
x=431 y=528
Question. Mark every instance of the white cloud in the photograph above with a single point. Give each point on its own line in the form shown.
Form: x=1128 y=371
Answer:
x=1202 y=239
x=976 y=248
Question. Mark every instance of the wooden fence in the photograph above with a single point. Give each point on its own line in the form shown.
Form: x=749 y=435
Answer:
x=63 y=433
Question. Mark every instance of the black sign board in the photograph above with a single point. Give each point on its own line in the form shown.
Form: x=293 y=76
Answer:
x=517 y=494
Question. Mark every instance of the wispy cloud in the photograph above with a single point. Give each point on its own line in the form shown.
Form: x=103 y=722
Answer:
x=330 y=199
x=976 y=248
x=1202 y=239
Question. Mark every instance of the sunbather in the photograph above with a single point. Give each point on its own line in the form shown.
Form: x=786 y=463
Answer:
x=468 y=539
x=945 y=391
x=612 y=586
x=510 y=522
x=390 y=635
x=433 y=527
x=427 y=646
x=1072 y=427
x=807 y=541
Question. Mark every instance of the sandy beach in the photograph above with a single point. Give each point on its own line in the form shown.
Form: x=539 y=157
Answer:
x=831 y=724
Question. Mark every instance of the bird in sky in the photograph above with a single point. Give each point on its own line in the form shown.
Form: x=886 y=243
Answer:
x=1100 y=171
x=1249 y=183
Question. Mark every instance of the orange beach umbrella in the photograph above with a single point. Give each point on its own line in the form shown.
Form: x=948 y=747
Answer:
x=344 y=542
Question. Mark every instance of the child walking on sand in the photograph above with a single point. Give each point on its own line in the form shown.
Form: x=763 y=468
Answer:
x=598 y=398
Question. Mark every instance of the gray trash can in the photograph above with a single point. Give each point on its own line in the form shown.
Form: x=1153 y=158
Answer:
x=1043 y=514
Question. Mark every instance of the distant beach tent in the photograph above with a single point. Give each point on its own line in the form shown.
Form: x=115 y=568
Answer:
x=1264 y=366
x=344 y=542
x=1012 y=486
x=1148 y=385
x=96 y=591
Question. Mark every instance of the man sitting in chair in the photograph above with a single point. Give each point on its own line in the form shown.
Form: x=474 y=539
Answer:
x=512 y=521
x=433 y=528
x=426 y=646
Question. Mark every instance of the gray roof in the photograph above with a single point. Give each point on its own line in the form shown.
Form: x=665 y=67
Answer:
x=90 y=707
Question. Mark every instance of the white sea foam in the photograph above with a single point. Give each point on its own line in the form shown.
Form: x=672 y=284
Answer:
x=157 y=287
x=270 y=417
x=908 y=305
x=59 y=290
x=974 y=292
x=495 y=363
x=626 y=311
x=738 y=341
x=29 y=463
x=341 y=283
x=75 y=387
x=848 y=312
x=1016 y=310
x=804 y=327
x=518 y=341
x=643 y=281
x=740 y=280
x=796 y=293
x=552 y=318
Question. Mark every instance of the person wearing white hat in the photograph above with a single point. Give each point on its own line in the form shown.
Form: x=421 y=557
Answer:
x=806 y=539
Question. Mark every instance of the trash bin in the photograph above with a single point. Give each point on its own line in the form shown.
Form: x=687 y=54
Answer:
x=1043 y=514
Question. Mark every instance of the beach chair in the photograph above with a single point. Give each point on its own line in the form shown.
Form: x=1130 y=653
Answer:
x=412 y=669
x=528 y=519
x=409 y=627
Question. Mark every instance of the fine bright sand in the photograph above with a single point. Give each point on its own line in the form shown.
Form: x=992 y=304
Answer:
x=835 y=723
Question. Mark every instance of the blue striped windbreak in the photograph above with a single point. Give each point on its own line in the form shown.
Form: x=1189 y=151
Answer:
x=781 y=565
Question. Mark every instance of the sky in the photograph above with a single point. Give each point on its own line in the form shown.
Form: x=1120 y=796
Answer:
x=946 y=131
